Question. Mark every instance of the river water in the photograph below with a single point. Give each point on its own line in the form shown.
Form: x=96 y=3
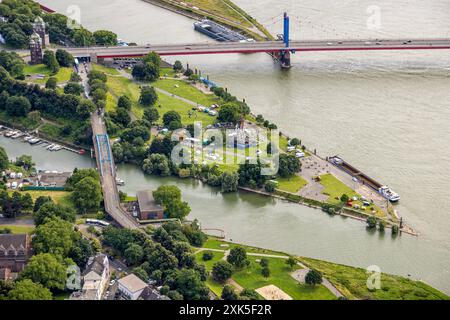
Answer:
x=387 y=113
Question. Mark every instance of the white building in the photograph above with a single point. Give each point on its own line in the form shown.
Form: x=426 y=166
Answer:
x=131 y=287
x=95 y=278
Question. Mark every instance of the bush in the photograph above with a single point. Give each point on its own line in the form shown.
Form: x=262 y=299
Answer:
x=207 y=255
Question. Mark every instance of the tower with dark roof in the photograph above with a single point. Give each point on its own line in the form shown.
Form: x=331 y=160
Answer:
x=36 y=49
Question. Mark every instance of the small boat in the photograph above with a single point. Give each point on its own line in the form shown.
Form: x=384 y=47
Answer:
x=34 y=141
x=120 y=182
x=18 y=134
x=387 y=193
x=50 y=147
x=10 y=133
x=27 y=138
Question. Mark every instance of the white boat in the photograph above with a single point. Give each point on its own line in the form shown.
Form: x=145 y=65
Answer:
x=18 y=134
x=27 y=138
x=34 y=141
x=50 y=147
x=10 y=133
x=387 y=193
x=57 y=147
x=120 y=182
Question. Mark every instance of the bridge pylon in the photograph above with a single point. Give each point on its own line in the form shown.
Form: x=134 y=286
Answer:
x=285 y=55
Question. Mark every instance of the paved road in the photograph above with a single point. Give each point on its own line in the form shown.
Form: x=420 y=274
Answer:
x=266 y=46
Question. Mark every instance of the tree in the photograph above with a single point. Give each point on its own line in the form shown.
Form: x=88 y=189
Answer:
x=121 y=117
x=124 y=102
x=222 y=270
x=170 y=198
x=174 y=125
x=64 y=58
x=49 y=59
x=73 y=88
x=228 y=293
x=28 y=290
x=105 y=38
x=237 y=257
x=344 y=198
x=288 y=165
x=83 y=38
x=249 y=172
x=87 y=194
x=265 y=272
x=229 y=181
x=82 y=250
x=313 y=277
x=177 y=66
x=134 y=254
x=250 y=294
x=148 y=96
x=295 y=142
x=54 y=236
x=170 y=116
x=381 y=226
x=229 y=113
x=189 y=284
x=25 y=161
x=149 y=69
x=75 y=77
x=207 y=255
x=371 y=222
x=85 y=108
x=394 y=229
x=270 y=186
x=47 y=270
x=157 y=164
x=51 y=83
x=50 y=210
x=151 y=115
x=141 y=274
x=264 y=262
x=4 y=160
x=291 y=262
x=17 y=106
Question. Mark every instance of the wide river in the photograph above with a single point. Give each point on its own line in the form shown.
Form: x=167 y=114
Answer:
x=388 y=113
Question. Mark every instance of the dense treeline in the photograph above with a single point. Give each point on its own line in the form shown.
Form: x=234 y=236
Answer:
x=168 y=259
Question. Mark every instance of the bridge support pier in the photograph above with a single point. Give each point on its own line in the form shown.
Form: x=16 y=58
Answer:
x=285 y=59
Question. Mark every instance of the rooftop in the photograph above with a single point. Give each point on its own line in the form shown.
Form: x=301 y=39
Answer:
x=132 y=283
x=146 y=201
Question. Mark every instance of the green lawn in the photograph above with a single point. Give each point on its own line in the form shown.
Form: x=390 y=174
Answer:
x=63 y=74
x=18 y=229
x=334 y=188
x=107 y=70
x=352 y=282
x=215 y=286
x=208 y=264
x=251 y=278
x=214 y=243
x=167 y=72
x=118 y=86
x=183 y=89
x=60 y=197
x=291 y=184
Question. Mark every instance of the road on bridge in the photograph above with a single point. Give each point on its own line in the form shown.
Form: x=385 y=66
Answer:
x=106 y=166
x=266 y=46
x=105 y=163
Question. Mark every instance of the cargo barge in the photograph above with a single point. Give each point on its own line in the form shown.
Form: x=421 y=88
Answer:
x=384 y=190
x=219 y=32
